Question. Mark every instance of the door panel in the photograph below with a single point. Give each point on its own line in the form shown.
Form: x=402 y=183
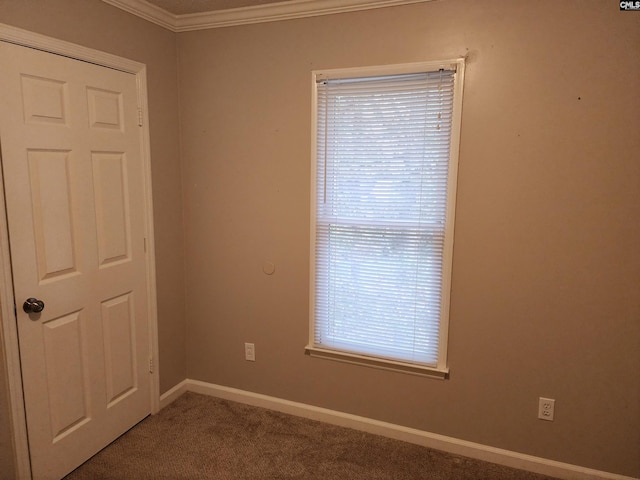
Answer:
x=52 y=214
x=45 y=100
x=105 y=109
x=118 y=323
x=65 y=354
x=112 y=207
x=73 y=175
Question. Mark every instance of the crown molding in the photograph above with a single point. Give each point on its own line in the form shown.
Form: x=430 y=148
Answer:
x=270 y=12
x=148 y=11
x=273 y=12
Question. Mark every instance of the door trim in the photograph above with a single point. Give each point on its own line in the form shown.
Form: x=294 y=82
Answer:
x=8 y=326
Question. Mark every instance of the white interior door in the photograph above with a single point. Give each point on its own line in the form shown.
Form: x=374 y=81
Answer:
x=73 y=179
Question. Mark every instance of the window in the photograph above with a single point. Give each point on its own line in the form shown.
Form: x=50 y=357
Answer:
x=383 y=197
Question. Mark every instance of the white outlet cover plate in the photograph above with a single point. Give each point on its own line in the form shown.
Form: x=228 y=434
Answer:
x=250 y=352
x=546 y=408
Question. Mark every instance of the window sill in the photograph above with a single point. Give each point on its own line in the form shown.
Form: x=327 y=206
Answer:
x=383 y=364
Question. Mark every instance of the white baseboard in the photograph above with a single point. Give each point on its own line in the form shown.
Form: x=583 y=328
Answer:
x=170 y=395
x=398 y=432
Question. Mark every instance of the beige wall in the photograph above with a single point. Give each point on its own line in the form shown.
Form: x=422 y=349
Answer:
x=98 y=25
x=546 y=270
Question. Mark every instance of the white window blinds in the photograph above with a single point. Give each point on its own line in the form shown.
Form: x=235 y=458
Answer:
x=382 y=178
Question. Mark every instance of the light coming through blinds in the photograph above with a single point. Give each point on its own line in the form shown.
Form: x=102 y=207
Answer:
x=383 y=146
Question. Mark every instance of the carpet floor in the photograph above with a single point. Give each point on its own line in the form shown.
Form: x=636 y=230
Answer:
x=202 y=437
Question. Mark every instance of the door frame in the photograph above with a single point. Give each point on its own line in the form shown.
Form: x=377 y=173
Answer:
x=8 y=324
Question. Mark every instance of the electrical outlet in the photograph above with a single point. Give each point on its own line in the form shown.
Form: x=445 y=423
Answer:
x=546 y=407
x=250 y=352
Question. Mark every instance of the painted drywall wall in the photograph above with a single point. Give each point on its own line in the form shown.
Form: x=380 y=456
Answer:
x=546 y=271
x=98 y=25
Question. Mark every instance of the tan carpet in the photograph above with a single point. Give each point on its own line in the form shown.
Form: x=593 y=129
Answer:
x=201 y=437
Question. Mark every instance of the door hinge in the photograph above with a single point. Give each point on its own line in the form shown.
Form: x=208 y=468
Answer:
x=150 y=364
x=139 y=117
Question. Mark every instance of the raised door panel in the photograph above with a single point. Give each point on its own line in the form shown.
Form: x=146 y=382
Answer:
x=112 y=207
x=105 y=109
x=53 y=222
x=66 y=363
x=45 y=100
x=118 y=325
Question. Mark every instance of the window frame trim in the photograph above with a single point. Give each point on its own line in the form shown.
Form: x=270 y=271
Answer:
x=441 y=369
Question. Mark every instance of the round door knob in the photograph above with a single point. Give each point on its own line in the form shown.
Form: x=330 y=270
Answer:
x=33 y=305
